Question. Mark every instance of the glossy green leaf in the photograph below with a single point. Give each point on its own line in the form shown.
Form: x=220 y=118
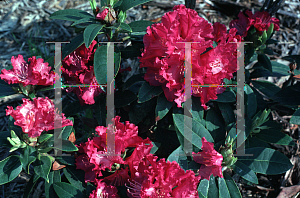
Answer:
x=84 y=20
x=197 y=110
x=287 y=96
x=54 y=176
x=30 y=185
x=10 y=168
x=67 y=130
x=266 y=161
x=213 y=189
x=65 y=190
x=226 y=96
x=179 y=156
x=90 y=33
x=223 y=189
x=100 y=63
x=245 y=172
x=215 y=125
x=75 y=177
x=251 y=105
x=232 y=187
x=140 y=26
x=44 y=137
x=68 y=160
x=125 y=27
x=203 y=188
x=27 y=157
x=42 y=167
x=227 y=113
x=197 y=131
x=264 y=61
x=148 y=92
x=163 y=106
x=70 y=15
x=296 y=117
x=155 y=147
x=5 y=89
x=127 y=4
x=267 y=88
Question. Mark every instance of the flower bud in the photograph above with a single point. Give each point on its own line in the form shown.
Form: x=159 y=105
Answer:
x=107 y=15
x=102 y=15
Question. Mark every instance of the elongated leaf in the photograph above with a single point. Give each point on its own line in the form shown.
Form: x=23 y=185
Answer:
x=54 y=176
x=90 y=33
x=30 y=185
x=264 y=61
x=127 y=4
x=140 y=26
x=100 y=63
x=10 y=168
x=147 y=92
x=3 y=139
x=198 y=130
x=44 y=137
x=245 y=172
x=232 y=187
x=179 y=156
x=197 y=110
x=227 y=113
x=28 y=156
x=68 y=160
x=163 y=106
x=65 y=190
x=155 y=147
x=266 y=161
x=70 y=15
x=75 y=177
x=287 y=96
x=251 y=104
x=215 y=125
x=84 y=20
x=223 y=189
x=5 y=89
x=267 y=88
x=226 y=96
x=67 y=130
x=42 y=167
x=125 y=27
x=203 y=188
x=296 y=117
x=72 y=46
x=213 y=189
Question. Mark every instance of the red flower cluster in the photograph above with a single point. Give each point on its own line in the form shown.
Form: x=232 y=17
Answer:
x=164 y=54
x=153 y=179
x=104 y=191
x=95 y=160
x=35 y=73
x=37 y=116
x=210 y=159
x=78 y=69
x=260 y=20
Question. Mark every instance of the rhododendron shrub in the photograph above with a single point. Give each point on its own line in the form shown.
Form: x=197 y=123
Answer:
x=164 y=146
x=164 y=54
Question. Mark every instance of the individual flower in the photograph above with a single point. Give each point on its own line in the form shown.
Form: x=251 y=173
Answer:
x=102 y=15
x=95 y=159
x=164 y=55
x=78 y=69
x=210 y=159
x=37 y=116
x=35 y=73
x=162 y=179
x=260 y=20
x=104 y=191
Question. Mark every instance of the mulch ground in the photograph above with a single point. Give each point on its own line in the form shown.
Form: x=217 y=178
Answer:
x=25 y=27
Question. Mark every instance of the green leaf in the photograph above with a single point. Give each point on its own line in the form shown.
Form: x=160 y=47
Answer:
x=67 y=130
x=264 y=37
x=44 y=137
x=93 y=5
x=245 y=172
x=203 y=188
x=251 y=104
x=213 y=189
x=70 y=15
x=227 y=113
x=155 y=147
x=90 y=33
x=148 y=92
x=133 y=80
x=123 y=98
x=197 y=110
x=264 y=61
x=100 y=63
x=253 y=141
x=215 y=125
x=3 y=139
x=54 y=176
x=270 y=30
x=30 y=185
x=271 y=41
x=125 y=27
x=72 y=46
x=10 y=168
x=163 y=106
x=67 y=160
x=274 y=135
x=75 y=177
x=140 y=26
x=179 y=156
x=266 y=161
x=84 y=20
x=5 y=89
x=226 y=96
x=42 y=167
x=232 y=187
x=127 y=4
x=267 y=88
x=223 y=189
x=198 y=130
x=287 y=96
x=28 y=156
x=296 y=117
x=67 y=146
x=65 y=190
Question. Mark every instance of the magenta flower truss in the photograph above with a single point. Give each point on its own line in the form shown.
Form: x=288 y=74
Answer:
x=260 y=20
x=94 y=159
x=164 y=56
x=104 y=191
x=37 y=116
x=78 y=69
x=35 y=73
x=154 y=179
x=210 y=159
